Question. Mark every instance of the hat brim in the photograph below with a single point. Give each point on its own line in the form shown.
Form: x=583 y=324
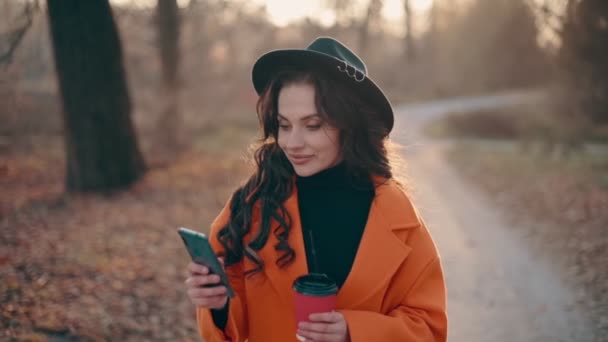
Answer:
x=270 y=63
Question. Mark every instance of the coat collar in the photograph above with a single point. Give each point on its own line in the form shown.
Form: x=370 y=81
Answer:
x=381 y=251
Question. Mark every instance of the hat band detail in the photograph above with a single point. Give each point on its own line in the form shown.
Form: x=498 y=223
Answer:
x=354 y=74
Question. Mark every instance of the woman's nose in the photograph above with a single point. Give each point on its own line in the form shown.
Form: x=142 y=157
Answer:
x=295 y=139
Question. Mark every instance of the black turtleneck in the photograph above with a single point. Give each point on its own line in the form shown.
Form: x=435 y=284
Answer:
x=334 y=209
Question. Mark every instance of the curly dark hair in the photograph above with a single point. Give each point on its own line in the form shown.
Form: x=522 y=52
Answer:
x=363 y=143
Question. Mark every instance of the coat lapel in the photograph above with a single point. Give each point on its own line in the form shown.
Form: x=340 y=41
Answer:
x=379 y=255
x=381 y=251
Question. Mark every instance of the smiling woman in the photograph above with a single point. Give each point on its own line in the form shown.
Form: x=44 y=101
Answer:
x=322 y=204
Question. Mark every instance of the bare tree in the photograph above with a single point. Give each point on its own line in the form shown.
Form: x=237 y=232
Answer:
x=167 y=15
x=409 y=51
x=372 y=15
x=342 y=10
x=9 y=41
x=199 y=41
x=550 y=12
x=101 y=147
x=584 y=55
x=441 y=15
x=500 y=38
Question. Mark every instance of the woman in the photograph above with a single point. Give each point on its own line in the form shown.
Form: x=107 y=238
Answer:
x=323 y=178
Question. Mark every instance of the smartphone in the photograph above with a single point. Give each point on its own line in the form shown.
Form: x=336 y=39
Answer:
x=201 y=252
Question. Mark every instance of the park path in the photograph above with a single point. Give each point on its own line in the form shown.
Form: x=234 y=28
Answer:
x=498 y=290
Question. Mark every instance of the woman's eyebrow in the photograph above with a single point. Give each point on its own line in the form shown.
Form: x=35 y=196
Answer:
x=309 y=116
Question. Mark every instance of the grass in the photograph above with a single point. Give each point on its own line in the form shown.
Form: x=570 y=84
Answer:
x=525 y=123
x=519 y=160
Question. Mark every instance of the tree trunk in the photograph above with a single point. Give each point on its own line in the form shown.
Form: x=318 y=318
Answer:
x=167 y=15
x=198 y=12
x=373 y=12
x=101 y=147
x=409 y=40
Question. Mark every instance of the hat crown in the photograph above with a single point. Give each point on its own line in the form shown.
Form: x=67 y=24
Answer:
x=337 y=50
x=325 y=55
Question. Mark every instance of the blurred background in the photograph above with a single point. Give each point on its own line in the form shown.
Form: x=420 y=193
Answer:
x=121 y=120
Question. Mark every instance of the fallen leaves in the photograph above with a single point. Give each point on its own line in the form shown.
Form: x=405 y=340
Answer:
x=98 y=268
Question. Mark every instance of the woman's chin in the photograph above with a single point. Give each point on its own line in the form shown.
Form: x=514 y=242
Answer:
x=306 y=170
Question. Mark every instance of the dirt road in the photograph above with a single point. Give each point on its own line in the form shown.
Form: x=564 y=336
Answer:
x=498 y=290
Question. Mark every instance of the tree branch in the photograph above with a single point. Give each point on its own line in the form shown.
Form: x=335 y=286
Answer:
x=547 y=10
x=15 y=37
x=553 y=20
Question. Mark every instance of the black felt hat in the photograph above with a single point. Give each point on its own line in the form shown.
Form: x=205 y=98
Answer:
x=329 y=56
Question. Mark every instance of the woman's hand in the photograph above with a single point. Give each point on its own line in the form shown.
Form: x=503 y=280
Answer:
x=325 y=327
x=207 y=297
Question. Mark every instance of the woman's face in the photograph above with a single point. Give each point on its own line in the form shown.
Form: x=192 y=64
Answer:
x=310 y=144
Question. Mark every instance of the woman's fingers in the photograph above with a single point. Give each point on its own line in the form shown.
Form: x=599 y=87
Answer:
x=194 y=268
x=199 y=292
x=327 y=326
x=197 y=281
x=329 y=317
x=204 y=288
x=324 y=328
x=208 y=297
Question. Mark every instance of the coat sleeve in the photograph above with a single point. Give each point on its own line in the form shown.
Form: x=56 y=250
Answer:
x=420 y=317
x=236 y=326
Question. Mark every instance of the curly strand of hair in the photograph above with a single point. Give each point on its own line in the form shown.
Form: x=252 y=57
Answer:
x=266 y=190
x=282 y=234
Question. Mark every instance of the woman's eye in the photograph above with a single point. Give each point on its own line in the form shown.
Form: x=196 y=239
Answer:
x=314 y=127
x=283 y=126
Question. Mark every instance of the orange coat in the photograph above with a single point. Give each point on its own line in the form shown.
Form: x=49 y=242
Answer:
x=395 y=290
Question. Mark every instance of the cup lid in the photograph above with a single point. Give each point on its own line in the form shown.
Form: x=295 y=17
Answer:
x=315 y=284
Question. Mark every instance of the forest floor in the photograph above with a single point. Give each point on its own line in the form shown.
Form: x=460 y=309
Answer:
x=103 y=267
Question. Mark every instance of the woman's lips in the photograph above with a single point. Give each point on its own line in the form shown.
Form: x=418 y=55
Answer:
x=300 y=160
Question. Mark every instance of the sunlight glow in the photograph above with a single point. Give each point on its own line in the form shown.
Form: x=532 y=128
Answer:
x=393 y=9
x=283 y=12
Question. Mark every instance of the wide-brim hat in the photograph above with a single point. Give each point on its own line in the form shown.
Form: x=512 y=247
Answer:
x=327 y=55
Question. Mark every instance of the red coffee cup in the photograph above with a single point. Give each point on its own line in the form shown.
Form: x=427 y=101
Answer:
x=313 y=293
